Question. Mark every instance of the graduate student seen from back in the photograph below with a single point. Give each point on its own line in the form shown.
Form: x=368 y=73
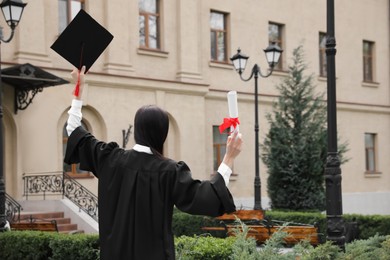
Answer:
x=139 y=188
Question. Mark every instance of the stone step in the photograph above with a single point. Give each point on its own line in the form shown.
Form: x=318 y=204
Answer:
x=64 y=224
x=62 y=220
x=66 y=227
x=41 y=215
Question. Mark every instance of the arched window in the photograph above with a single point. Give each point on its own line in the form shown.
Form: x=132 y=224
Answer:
x=74 y=168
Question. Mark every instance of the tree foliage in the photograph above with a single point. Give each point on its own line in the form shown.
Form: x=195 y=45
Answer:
x=295 y=147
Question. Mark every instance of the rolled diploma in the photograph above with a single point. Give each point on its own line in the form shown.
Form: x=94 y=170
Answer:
x=233 y=108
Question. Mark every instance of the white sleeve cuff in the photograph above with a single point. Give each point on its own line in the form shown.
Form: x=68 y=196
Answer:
x=75 y=116
x=225 y=172
x=77 y=103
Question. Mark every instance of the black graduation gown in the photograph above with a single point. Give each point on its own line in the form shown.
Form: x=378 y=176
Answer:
x=137 y=192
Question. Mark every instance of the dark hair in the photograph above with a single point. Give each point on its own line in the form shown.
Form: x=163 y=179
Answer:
x=151 y=125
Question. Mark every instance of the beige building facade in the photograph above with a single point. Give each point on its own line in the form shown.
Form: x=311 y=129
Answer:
x=181 y=71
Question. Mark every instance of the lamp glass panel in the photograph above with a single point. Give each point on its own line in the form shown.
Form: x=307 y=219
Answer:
x=16 y=13
x=270 y=56
x=242 y=63
x=236 y=64
x=6 y=13
x=276 y=56
x=239 y=64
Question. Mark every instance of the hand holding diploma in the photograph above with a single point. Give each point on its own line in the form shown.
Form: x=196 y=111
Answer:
x=233 y=148
x=232 y=121
x=234 y=142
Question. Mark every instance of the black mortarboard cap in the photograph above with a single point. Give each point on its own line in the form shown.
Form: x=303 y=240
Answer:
x=82 y=41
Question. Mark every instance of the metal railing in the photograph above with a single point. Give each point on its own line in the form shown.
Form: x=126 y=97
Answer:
x=60 y=183
x=45 y=183
x=79 y=195
x=12 y=209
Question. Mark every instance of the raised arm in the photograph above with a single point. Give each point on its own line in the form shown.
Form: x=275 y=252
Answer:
x=233 y=148
x=75 y=115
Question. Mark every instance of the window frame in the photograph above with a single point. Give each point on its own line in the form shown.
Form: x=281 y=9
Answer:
x=368 y=61
x=146 y=16
x=371 y=151
x=69 y=12
x=323 y=72
x=216 y=31
x=279 y=41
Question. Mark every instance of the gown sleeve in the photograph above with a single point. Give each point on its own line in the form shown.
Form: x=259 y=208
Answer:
x=210 y=198
x=84 y=148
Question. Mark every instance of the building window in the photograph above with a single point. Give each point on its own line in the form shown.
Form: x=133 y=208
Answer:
x=370 y=147
x=74 y=168
x=368 y=61
x=322 y=54
x=67 y=10
x=218 y=36
x=275 y=35
x=219 y=147
x=149 y=24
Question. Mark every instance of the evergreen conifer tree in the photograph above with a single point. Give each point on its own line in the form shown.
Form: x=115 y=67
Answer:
x=295 y=147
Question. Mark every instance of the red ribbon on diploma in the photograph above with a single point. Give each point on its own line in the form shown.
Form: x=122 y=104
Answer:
x=228 y=122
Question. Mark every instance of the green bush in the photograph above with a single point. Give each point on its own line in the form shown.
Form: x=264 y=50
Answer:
x=36 y=245
x=184 y=224
x=376 y=247
x=75 y=247
x=25 y=245
x=370 y=225
x=203 y=247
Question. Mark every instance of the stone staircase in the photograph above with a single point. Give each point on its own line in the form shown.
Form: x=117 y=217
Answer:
x=64 y=224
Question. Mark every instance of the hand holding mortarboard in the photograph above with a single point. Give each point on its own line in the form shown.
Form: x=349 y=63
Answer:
x=82 y=41
x=79 y=78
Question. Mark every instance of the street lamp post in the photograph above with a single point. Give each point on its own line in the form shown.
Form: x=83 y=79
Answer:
x=12 y=11
x=334 y=209
x=239 y=60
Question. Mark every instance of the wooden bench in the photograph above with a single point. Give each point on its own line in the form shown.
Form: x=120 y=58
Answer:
x=262 y=229
x=294 y=235
x=36 y=225
x=246 y=216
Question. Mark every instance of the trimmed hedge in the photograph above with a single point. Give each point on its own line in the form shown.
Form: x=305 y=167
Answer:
x=368 y=225
x=184 y=224
x=200 y=247
x=36 y=245
x=55 y=246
